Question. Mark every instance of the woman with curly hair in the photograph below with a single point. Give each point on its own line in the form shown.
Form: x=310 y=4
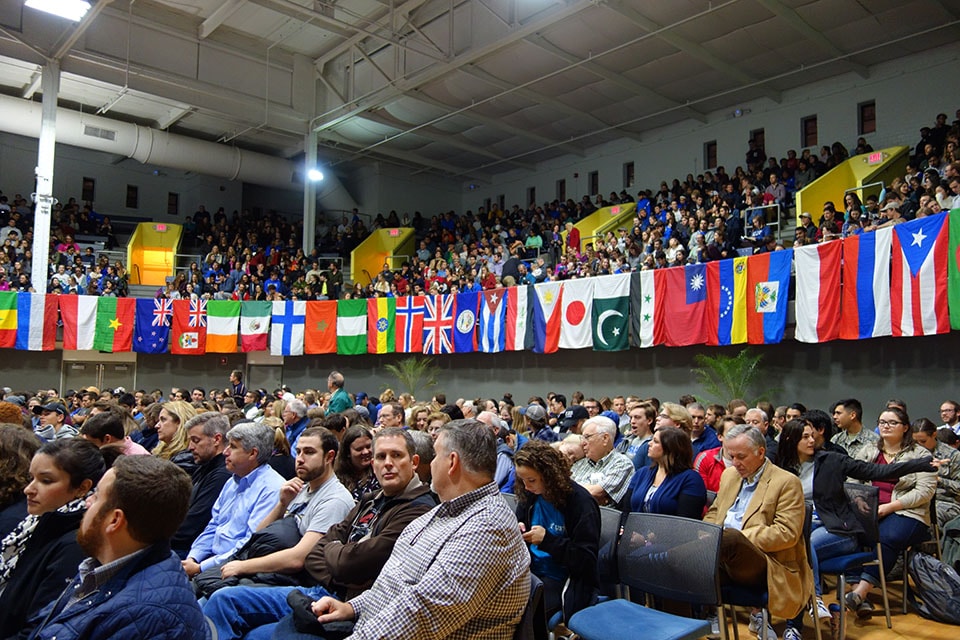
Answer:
x=17 y=448
x=172 y=435
x=560 y=521
x=354 y=465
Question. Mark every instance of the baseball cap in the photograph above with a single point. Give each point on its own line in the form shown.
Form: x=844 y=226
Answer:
x=572 y=416
x=536 y=413
x=52 y=406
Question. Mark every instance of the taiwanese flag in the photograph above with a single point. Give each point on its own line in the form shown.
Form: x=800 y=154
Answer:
x=409 y=324
x=189 y=334
x=546 y=316
x=681 y=295
x=465 y=322
x=768 y=282
x=918 y=280
x=320 y=329
x=818 y=292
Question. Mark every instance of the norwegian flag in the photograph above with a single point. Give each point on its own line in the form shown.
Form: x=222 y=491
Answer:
x=409 y=323
x=198 y=313
x=438 y=324
x=162 y=312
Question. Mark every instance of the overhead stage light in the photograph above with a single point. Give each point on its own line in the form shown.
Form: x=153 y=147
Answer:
x=70 y=9
x=315 y=175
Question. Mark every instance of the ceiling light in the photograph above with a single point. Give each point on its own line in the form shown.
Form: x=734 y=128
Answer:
x=315 y=175
x=70 y=9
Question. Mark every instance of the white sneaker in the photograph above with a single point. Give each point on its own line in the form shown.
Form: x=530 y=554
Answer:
x=714 y=621
x=756 y=621
x=822 y=611
x=791 y=633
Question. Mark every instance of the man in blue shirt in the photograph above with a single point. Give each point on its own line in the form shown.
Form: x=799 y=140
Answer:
x=294 y=421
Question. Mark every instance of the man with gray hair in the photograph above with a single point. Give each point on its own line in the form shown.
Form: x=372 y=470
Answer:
x=604 y=472
x=295 y=420
x=758 y=418
x=340 y=400
x=245 y=500
x=207 y=435
x=506 y=474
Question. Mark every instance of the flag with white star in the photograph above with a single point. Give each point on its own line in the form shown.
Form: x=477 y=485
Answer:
x=681 y=305
x=152 y=331
x=611 y=312
x=918 y=277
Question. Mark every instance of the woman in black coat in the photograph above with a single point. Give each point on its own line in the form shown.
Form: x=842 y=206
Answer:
x=17 y=447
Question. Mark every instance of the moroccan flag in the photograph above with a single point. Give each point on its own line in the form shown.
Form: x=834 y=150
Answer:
x=351 y=327
x=865 y=302
x=189 y=334
x=611 y=312
x=381 y=325
x=818 y=292
x=918 y=277
x=727 y=301
x=768 y=282
x=153 y=320
x=8 y=319
x=254 y=325
x=79 y=316
x=287 y=325
x=576 y=314
x=546 y=316
x=681 y=305
x=320 y=328
x=491 y=322
x=953 y=281
x=409 y=321
x=114 y=330
x=223 y=322
x=643 y=308
x=465 y=322
x=36 y=321
x=519 y=328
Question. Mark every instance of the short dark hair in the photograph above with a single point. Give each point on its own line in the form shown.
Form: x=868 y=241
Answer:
x=852 y=404
x=328 y=441
x=396 y=432
x=81 y=460
x=153 y=494
x=100 y=425
x=820 y=421
x=200 y=389
x=474 y=442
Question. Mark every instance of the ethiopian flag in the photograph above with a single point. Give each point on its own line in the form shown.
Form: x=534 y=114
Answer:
x=115 y=320
x=381 y=321
x=8 y=319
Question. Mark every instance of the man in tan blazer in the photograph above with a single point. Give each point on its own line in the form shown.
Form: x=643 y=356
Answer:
x=761 y=509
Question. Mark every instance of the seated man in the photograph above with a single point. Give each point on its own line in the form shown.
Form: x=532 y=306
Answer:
x=105 y=428
x=244 y=501
x=761 y=509
x=126 y=530
x=604 y=472
x=349 y=557
x=460 y=571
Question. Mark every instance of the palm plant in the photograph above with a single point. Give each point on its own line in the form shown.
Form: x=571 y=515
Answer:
x=414 y=374
x=726 y=377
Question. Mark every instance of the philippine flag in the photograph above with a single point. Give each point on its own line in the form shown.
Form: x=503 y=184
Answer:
x=865 y=310
x=818 y=292
x=918 y=282
x=681 y=294
x=546 y=316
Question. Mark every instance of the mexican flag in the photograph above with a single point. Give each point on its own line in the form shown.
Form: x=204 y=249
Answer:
x=114 y=328
x=351 y=327
x=255 y=325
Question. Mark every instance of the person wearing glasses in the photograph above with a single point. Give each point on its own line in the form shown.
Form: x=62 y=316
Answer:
x=604 y=472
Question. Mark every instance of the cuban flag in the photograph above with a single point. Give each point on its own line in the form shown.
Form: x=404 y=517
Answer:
x=438 y=324
x=918 y=281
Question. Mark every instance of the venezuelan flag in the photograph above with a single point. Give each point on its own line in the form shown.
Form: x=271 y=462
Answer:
x=727 y=301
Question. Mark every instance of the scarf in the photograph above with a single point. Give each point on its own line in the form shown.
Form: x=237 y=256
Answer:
x=12 y=546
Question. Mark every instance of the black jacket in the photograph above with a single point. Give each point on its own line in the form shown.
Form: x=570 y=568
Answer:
x=208 y=480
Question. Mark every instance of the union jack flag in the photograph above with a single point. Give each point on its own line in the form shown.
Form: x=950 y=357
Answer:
x=198 y=313
x=409 y=324
x=438 y=324
x=162 y=312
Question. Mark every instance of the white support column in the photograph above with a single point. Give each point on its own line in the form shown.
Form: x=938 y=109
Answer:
x=50 y=85
x=309 y=193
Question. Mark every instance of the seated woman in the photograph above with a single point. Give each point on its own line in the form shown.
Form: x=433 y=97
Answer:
x=173 y=442
x=354 y=465
x=17 y=448
x=41 y=554
x=948 y=479
x=560 y=521
x=670 y=485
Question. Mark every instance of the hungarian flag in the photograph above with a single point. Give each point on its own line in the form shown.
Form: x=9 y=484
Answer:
x=918 y=280
x=681 y=305
x=223 y=322
x=79 y=316
x=351 y=327
x=320 y=328
x=381 y=325
x=8 y=319
x=115 y=320
x=254 y=325
x=36 y=320
x=409 y=324
x=768 y=283
x=465 y=325
x=643 y=308
x=818 y=292
x=611 y=312
x=546 y=316
x=519 y=328
x=189 y=335
x=727 y=301
x=491 y=322
x=576 y=314
x=286 y=334
x=153 y=320
x=865 y=302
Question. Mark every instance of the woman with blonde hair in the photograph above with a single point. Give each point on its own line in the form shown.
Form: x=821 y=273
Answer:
x=172 y=434
x=674 y=415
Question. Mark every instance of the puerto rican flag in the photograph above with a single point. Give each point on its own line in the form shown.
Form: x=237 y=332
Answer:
x=918 y=281
x=818 y=292
x=409 y=324
x=492 y=321
x=438 y=324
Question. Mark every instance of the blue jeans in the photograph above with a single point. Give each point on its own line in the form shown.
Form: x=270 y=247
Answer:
x=823 y=546
x=897 y=532
x=237 y=611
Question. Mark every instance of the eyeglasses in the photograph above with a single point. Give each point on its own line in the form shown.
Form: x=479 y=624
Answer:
x=587 y=436
x=888 y=423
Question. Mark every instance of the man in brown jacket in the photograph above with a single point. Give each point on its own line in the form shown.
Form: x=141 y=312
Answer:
x=349 y=557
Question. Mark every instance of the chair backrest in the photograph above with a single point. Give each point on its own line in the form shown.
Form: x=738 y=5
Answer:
x=609 y=534
x=671 y=557
x=511 y=501
x=865 y=499
x=533 y=623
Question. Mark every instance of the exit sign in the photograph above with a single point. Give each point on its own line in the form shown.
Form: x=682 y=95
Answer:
x=394 y=233
x=875 y=158
x=160 y=228
x=615 y=210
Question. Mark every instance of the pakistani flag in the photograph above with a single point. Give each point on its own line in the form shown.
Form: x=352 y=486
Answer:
x=611 y=312
x=351 y=327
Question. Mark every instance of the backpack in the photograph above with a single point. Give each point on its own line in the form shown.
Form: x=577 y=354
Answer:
x=937 y=585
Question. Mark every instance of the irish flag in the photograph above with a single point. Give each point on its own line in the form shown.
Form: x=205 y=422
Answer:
x=223 y=321
x=114 y=328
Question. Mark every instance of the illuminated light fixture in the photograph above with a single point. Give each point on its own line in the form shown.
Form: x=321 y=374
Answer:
x=70 y=9
x=315 y=175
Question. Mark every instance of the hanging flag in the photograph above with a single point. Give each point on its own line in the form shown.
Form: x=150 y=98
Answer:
x=381 y=325
x=865 y=301
x=546 y=316
x=465 y=323
x=115 y=320
x=409 y=320
x=351 y=327
x=953 y=280
x=611 y=312
x=818 y=292
x=576 y=314
x=189 y=330
x=36 y=320
x=438 y=324
x=8 y=319
x=519 y=329
x=727 y=301
x=254 y=324
x=223 y=323
x=681 y=294
x=643 y=303
x=152 y=331
x=918 y=280
x=320 y=329
x=491 y=323
x=287 y=325
x=768 y=284
x=79 y=316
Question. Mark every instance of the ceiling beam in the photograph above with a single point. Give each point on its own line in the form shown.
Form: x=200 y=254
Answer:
x=691 y=48
x=220 y=15
x=81 y=28
x=33 y=86
x=801 y=26
x=174 y=116
x=402 y=11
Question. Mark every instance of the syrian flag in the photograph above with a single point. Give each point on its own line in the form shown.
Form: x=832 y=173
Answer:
x=254 y=324
x=492 y=321
x=546 y=316
x=79 y=316
x=611 y=312
x=643 y=303
x=576 y=314
x=36 y=321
